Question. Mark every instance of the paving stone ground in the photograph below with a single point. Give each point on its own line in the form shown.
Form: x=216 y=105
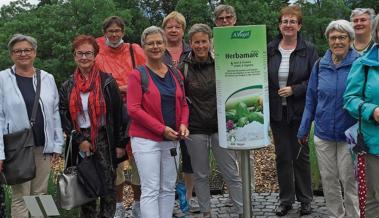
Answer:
x=263 y=206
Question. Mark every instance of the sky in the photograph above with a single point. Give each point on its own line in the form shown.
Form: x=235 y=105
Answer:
x=5 y=2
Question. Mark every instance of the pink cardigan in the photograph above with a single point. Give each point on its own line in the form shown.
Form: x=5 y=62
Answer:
x=145 y=108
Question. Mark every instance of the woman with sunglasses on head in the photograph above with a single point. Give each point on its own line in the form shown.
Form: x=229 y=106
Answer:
x=91 y=112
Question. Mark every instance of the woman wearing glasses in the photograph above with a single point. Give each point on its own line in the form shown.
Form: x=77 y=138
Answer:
x=159 y=114
x=324 y=106
x=17 y=93
x=290 y=61
x=91 y=112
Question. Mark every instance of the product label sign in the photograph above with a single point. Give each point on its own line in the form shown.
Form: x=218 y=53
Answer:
x=242 y=86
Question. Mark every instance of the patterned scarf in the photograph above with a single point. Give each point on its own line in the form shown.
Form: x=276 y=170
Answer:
x=96 y=102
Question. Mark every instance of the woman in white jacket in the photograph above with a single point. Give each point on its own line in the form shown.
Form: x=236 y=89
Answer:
x=17 y=93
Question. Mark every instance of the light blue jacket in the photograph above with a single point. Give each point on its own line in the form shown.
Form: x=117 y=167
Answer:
x=324 y=99
x=353 y=96
x=14 y=116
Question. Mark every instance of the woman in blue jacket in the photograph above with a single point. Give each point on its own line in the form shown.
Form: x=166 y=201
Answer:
x=324 y=106
x=370 y=114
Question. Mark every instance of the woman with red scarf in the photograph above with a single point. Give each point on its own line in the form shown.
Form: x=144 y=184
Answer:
x=91 y=113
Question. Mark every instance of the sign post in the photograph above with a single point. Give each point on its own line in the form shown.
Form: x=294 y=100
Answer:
x=242 y=94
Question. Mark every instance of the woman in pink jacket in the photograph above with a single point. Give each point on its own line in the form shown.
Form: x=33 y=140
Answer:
x=159 y=114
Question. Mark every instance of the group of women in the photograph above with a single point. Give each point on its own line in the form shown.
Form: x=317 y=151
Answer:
x=166 y=106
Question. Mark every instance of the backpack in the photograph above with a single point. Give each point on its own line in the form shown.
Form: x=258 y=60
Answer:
x=145 y=79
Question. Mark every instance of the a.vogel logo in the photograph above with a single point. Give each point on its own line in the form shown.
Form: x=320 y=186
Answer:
x=241 y=34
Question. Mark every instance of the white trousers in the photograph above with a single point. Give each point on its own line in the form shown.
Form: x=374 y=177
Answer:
x=156 y=168
x=336 y=169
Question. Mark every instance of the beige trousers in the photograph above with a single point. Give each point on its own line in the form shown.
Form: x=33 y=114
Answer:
x=336 y=169
x=36 y=186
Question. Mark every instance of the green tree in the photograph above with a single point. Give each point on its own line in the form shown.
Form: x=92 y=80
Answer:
x=195 y=11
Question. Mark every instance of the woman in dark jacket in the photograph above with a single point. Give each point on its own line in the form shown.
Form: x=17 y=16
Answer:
x=91 y=113
x=200 y=84
x=290 y=61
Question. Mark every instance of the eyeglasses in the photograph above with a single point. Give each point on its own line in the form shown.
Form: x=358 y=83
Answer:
x=81 y=54
x=26 y=51
x=155 y=43
x=290 y=22
x=228 y=17
x=114 y=31
x=340 y=38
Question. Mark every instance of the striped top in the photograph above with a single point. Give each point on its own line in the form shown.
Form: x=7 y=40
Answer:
x=284 y=69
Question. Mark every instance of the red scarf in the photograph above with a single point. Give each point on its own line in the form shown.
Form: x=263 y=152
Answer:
x=96 y=102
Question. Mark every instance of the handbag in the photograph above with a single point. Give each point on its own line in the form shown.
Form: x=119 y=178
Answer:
x=19 y=164
x=92 y=177
x=70 y=192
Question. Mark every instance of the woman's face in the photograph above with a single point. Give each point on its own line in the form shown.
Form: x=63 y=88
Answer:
x=154 y=47
x=174 y=31
x=84 y=57
x=225 y=19
x=339 y=43
x=23 y=54
x=289 y=26
x=114 y=33
x=200 y=44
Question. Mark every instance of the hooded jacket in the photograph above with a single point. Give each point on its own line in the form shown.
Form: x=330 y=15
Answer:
x=353 y=96
x=14 y=116
x=200 y=86
x=324 y=102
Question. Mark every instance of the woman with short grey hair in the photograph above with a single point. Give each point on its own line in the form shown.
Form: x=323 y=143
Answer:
x=361 y=96
x=159 y=113
x=323 y=105
x=225 y=15
x=17 y=91
x=361 y=19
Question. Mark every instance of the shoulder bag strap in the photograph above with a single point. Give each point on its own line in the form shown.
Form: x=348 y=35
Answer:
x=131 y=51
x=36 y=98
x=366 y=68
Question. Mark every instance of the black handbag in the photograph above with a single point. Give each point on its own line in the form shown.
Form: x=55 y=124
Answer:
x=92 y=177
x=19 y=164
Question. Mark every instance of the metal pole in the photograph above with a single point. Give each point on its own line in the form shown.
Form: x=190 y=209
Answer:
x=246 y=180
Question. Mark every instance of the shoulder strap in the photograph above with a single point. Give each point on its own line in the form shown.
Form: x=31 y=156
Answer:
x=317 y=70
x=144 y=78
x=36 y=98
x=176 y=74
x=131 y=51
x=366 y=68
x=185 y=71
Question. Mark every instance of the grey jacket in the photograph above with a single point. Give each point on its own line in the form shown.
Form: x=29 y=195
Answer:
x=14 y=116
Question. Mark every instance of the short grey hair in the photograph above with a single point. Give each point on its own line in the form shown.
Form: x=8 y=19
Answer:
x=227 y=8
x=152 y=30
x=360 y=11
x=21 y=38
x=375 y=29
x=199 y=28
x=340 y=26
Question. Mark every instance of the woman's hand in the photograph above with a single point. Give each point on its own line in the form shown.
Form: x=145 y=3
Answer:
x=375 y=115
x=85 y=146
x=120 y=152
x=285 y=91
x=183 y=131
x=303 y=141
x=55 y=158
x=170 y=134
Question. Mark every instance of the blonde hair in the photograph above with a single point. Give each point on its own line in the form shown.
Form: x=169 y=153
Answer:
x=176 y=16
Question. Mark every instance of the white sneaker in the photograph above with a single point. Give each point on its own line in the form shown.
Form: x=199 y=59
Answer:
x=136 y=210
x=120 y=211
x=193 y=206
